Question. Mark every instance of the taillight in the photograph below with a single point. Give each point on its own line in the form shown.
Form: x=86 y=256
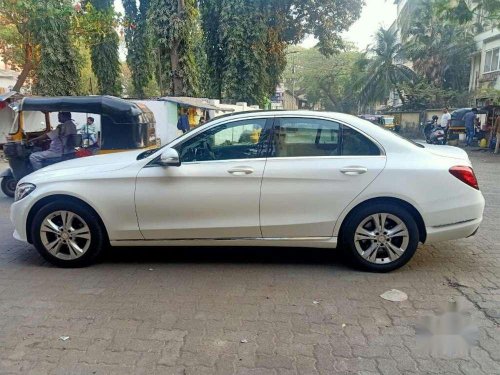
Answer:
x=466 y=175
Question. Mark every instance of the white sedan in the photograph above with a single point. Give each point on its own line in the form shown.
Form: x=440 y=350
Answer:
x=304 y=179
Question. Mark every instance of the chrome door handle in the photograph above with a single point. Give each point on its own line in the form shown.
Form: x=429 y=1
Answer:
x=240 y=171
x=354 y=171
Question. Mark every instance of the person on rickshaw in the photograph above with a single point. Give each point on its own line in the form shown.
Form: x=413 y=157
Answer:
x=89 y=133
x=58 y=141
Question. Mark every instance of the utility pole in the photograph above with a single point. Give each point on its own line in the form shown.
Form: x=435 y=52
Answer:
x=293 y=76
x=293 y=80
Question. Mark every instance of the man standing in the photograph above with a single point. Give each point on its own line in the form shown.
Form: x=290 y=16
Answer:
x=59 y=144
x=183 y=123
x=470 y=123
x=89 y=132
x=497 y=132
x=445 y=119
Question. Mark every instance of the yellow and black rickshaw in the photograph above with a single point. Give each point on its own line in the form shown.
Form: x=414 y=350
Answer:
x=124 y=126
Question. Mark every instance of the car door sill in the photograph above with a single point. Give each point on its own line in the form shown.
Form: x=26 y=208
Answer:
x=320 y=242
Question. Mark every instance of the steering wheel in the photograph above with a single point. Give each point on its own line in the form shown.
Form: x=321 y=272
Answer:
x=209 y=150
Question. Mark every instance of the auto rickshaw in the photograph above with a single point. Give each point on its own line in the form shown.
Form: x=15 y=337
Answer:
x=387 y=122
x=124 y=126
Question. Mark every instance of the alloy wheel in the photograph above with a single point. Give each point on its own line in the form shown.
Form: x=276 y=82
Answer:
x=65 y=235
x=381 y=238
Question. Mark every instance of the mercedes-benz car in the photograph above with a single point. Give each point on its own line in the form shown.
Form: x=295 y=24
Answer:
x=301 y=179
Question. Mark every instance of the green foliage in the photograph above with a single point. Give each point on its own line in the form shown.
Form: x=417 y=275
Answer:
x=137 y=38
x=439 y=50
x=244 y=36
x=174 y=26
x=11 y=42
x=327 y=81
x=151 y=90
x=480 y=12
x=104 y=47
x=246 y=40
x=422 y=95
x=384 y=71
x=58 y=72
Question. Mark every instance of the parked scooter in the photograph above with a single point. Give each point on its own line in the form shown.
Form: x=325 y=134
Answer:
x=434 y=134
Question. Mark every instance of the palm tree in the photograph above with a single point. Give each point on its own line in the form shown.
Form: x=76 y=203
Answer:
x=437 y=48
x=385 y=71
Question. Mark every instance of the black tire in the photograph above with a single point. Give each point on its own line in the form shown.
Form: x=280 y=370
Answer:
x=97 y=234
x=358 y=216
x=9 y=184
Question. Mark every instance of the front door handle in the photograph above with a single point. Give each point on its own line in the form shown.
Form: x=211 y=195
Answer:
x=240 y=171
x=354 y=171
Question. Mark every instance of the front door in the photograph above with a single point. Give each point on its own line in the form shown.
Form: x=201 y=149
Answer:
x=315 y=169
x=215 y=192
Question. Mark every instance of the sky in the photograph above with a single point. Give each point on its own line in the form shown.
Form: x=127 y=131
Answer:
x=376 y=13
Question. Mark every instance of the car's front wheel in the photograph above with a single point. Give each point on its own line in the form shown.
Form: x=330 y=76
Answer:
x=381 y=237
x=9 y=184
x=67 y=234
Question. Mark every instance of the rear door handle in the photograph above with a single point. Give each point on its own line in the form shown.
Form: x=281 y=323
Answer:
x=240 y=171
x=354 y=171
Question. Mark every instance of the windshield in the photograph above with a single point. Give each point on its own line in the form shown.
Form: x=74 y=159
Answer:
x=15 y=124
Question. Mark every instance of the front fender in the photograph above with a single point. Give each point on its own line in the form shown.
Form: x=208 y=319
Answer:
x=7 y=173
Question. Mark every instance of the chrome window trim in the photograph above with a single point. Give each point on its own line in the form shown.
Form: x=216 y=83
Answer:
x=273 y=117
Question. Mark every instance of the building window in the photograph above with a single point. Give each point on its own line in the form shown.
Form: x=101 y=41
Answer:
x=492 y=60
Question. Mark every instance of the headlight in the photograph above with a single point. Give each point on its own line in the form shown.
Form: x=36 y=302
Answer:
x=23 y=190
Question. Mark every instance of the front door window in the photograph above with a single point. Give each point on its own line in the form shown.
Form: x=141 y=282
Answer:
x=232 y=141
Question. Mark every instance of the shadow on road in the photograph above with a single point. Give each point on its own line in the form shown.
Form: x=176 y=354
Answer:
x=212 y=255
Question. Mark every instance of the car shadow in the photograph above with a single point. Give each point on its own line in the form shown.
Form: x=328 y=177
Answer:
x=226 y=255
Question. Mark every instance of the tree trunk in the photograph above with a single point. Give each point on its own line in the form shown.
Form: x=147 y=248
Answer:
x=177 y=81
x=28 y=65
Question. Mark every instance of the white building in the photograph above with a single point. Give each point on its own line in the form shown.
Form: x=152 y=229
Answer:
x=8 y=77
x=485 y=67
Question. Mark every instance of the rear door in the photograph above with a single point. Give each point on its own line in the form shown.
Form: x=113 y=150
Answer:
x=315 y=168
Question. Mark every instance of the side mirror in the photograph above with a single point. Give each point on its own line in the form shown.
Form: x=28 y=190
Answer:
x=170 y=158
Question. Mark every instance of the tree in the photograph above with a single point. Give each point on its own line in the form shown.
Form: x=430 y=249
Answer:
x=438 y=49
x=173 y=25
x=259 y=32
x=384 y=71
x=478 y=12
x=53 y=30
x=104 y=49
x=58 y=72
x=138 y=43
x=17 y=45
x=326 y=81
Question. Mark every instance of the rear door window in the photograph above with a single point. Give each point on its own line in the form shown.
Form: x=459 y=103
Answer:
x=309 y=137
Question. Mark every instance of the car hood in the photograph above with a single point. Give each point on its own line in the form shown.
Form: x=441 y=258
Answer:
x=106 y=162
x=87 y=166
x=447 y=152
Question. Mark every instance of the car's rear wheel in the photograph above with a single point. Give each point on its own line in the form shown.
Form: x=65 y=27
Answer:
x=67 y=234
x=381 y=237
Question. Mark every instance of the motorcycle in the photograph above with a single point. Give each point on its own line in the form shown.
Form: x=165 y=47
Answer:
x=434 y=134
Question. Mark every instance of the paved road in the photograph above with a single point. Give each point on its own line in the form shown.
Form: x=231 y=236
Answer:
x=251 y=311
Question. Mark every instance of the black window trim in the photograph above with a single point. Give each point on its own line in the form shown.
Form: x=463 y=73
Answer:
x=375 y=142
